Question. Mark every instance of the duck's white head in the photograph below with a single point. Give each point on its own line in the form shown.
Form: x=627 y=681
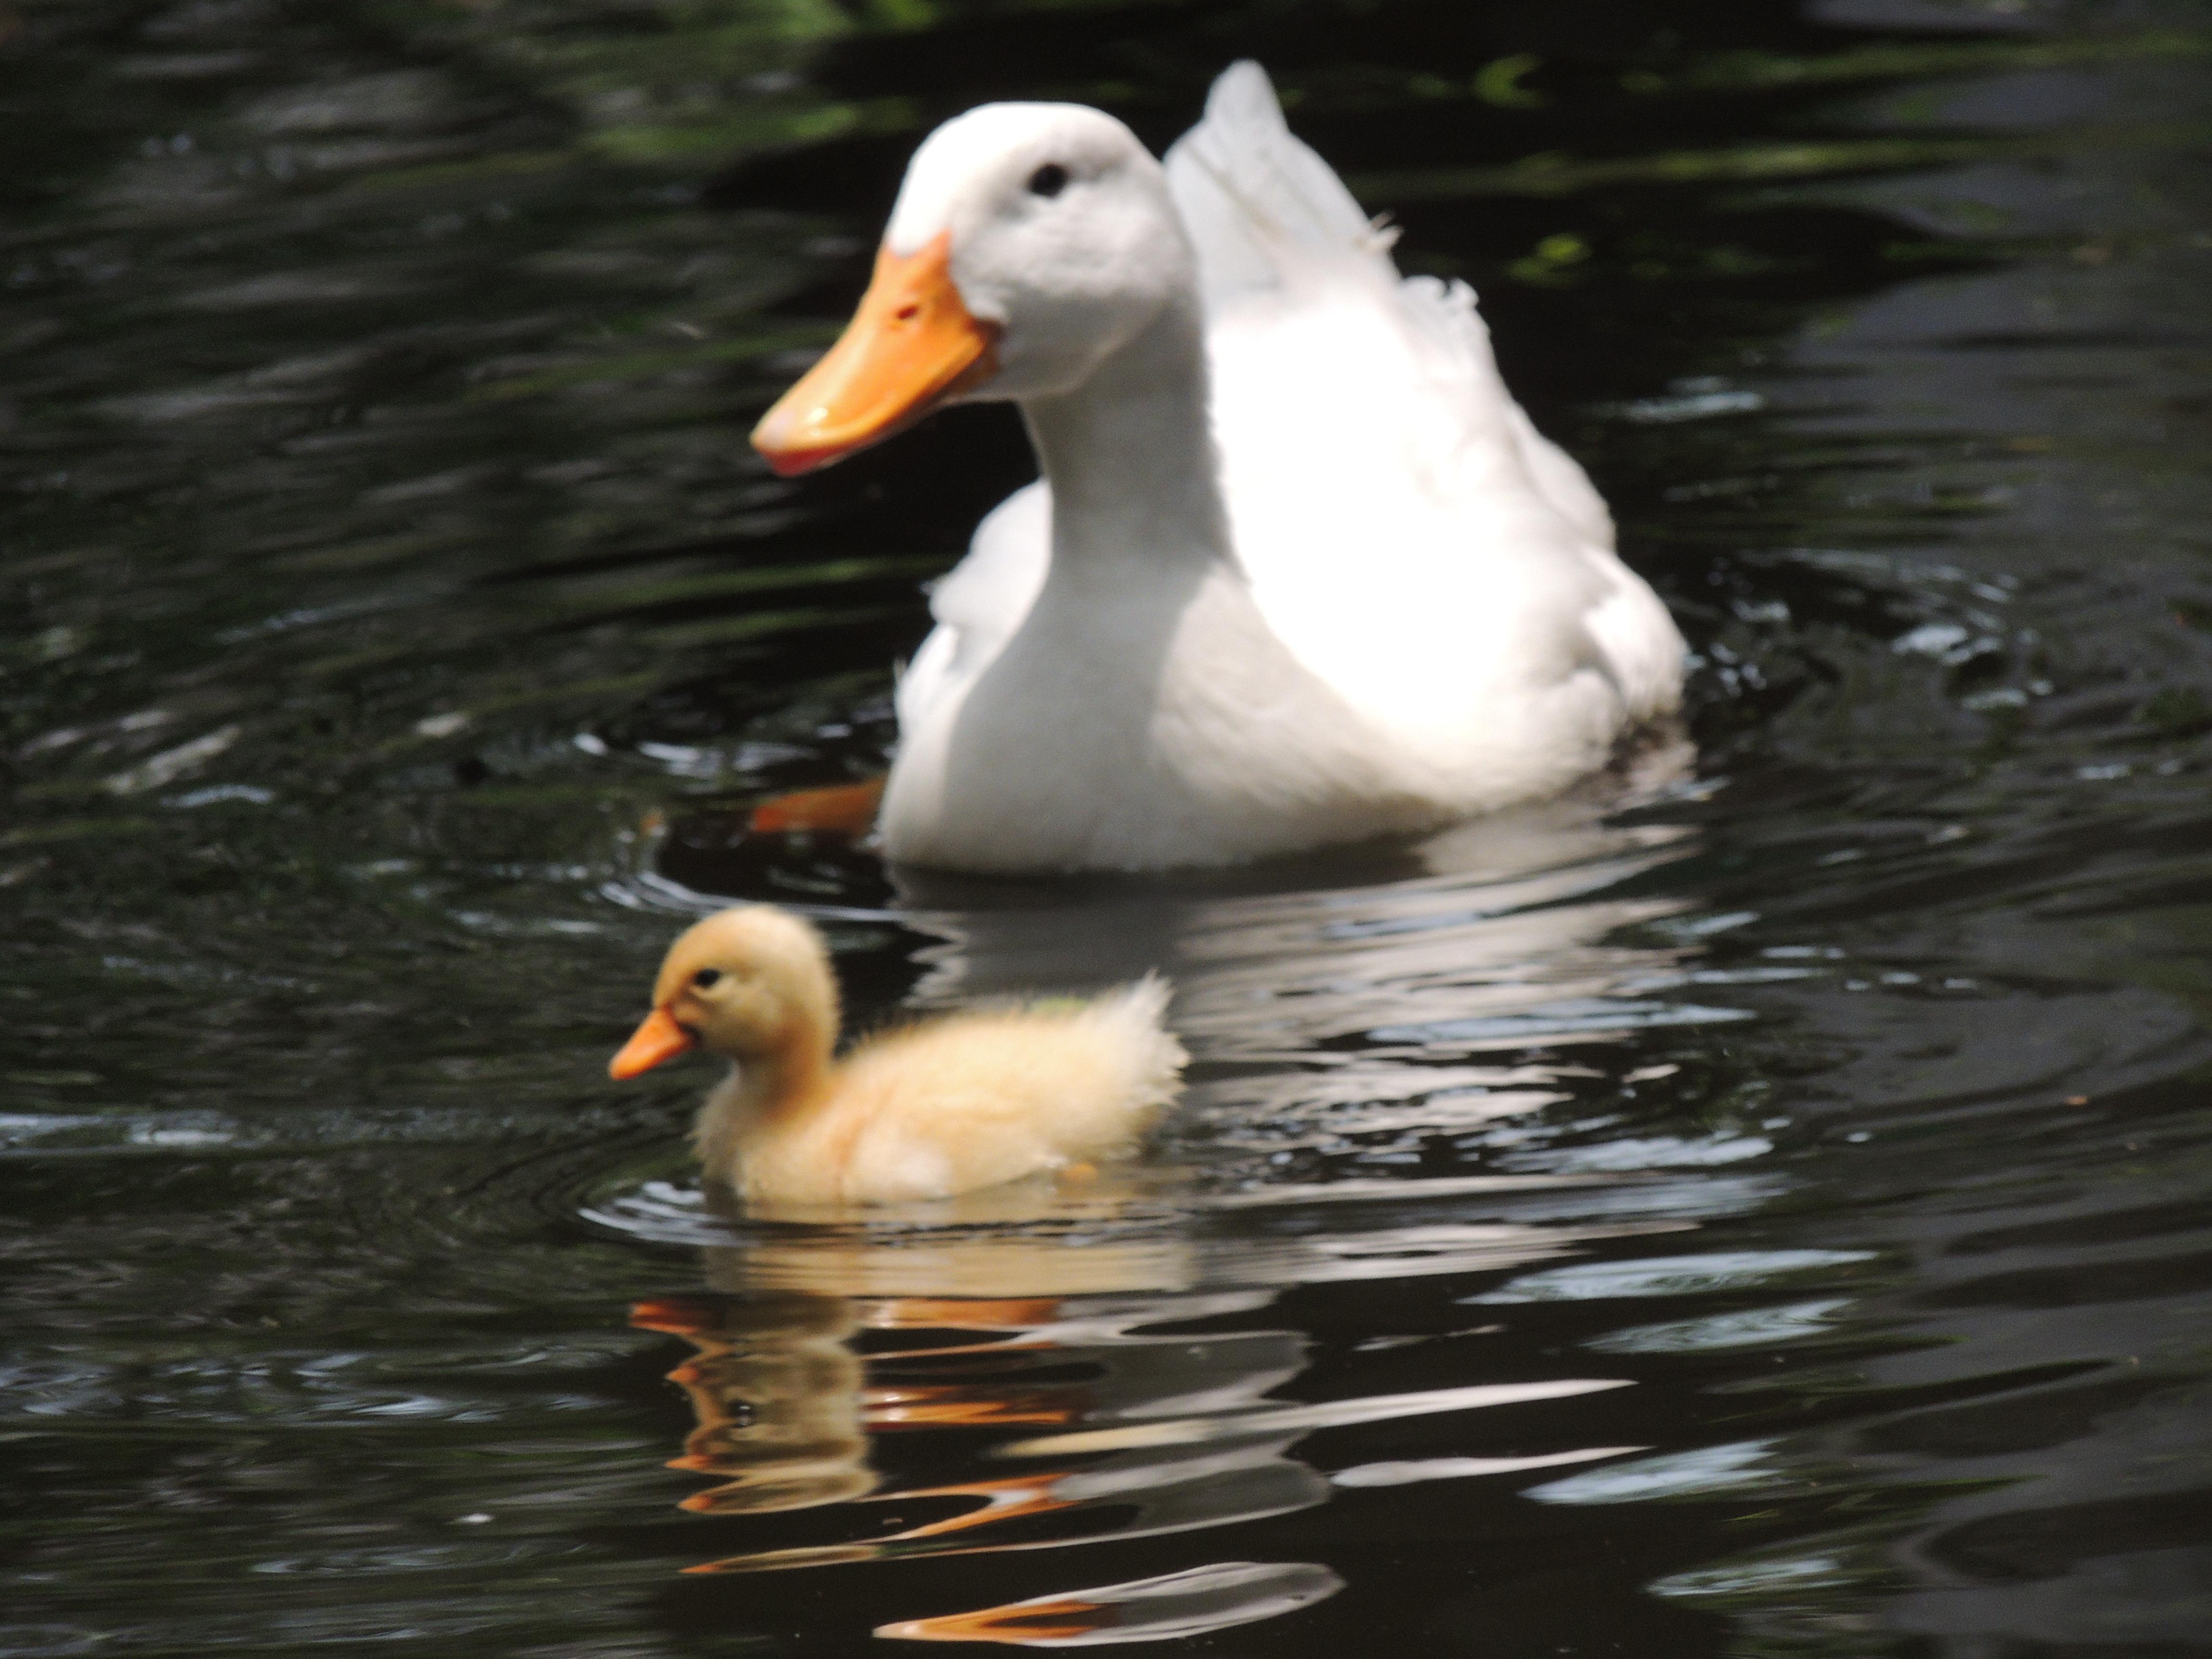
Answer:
x=1029 y=243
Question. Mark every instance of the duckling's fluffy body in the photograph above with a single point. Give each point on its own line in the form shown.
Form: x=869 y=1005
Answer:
x=937 y=1107
x=952 y=1104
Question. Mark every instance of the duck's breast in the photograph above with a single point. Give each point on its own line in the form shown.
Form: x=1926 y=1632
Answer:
x=979 y=603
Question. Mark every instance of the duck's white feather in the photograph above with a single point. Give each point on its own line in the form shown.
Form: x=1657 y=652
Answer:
x=1489 y=614
x=1272 y=222
x=1443 y=575
x=980 y=601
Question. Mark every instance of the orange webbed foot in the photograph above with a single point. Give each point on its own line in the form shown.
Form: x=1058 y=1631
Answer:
x=844 y=809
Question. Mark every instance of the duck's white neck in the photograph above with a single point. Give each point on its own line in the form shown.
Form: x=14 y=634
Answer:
x=1130 y=457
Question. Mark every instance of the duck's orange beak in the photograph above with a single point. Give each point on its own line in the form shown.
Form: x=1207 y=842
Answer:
x=910 y=345
x=660 y=1038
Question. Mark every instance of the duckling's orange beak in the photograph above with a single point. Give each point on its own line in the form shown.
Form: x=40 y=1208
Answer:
x=910 y=345
x=660 y=1038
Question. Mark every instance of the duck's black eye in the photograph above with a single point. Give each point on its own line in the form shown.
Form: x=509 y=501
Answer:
x=706 y=977
x=1049 y=180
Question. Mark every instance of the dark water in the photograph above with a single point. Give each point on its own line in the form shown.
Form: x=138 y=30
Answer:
x=1768 y=1220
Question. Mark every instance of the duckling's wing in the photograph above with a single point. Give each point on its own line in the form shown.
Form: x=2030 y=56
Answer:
x=987 y=1097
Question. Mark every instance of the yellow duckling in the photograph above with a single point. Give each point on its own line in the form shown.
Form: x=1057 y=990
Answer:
x=938 y=1107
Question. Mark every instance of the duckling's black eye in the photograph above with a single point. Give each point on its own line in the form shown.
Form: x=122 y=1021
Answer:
x=705 y=977
x=1049 y=180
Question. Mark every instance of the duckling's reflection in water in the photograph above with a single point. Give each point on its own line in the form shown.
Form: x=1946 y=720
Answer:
x=788 y=1412
x=1107 y=1417
x=777 y=1394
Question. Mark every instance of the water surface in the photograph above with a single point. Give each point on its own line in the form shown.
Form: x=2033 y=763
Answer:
x=1757 y=1210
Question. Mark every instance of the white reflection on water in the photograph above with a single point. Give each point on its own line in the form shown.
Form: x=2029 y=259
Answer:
x=1409 y=1471
x=1677 y=1474
x=1671 y=1275
x=1749 y=1327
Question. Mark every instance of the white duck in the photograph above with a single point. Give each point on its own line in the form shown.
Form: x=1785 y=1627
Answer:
x=1299 y=571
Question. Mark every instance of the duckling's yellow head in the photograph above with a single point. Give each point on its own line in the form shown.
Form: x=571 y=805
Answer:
x=746 y=984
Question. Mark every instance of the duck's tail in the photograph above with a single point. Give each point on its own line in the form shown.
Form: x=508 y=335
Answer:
x=1254 y=197
x=1269 y=217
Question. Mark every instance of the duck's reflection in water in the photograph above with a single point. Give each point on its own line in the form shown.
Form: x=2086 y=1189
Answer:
x=1027 y=1369
x=1356 y=1005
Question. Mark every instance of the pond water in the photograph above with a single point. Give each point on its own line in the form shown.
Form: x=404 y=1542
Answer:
x=1762 y=1212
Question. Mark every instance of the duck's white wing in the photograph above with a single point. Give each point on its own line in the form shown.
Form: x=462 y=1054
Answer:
x=1406 y=530
x=1259 y=203
x=980 y=603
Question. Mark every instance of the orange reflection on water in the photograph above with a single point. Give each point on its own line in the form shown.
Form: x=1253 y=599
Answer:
x=786 y=1411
